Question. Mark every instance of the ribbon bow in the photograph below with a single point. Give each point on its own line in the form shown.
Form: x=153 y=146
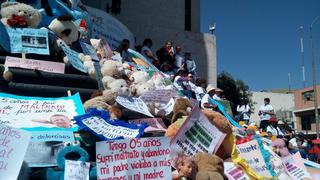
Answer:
x=17 y=21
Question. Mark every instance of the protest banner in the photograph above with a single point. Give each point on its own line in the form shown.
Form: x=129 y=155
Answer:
x=99 y=123
x=159 y=96
x=33 y=64
x=234 y=172
x=154 y=124
x=197 y=134
x=74 y=59
x=106 y=26
x=145 y=158
x=13 y=146
x=134 y=104
x=43 y=153
x=295 y=167
x=251 y=152
x=277 y=164
x=141 y=63
x=76 y=170
x=28 y=40
x=36 y=113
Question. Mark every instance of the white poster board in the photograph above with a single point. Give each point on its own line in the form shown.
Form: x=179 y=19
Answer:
x=13 y=146
x=145 y=158
x=76 y=170
x=134 y=104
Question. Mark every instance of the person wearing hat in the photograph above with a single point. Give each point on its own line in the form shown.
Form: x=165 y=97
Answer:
x=217 y=95
x=181 y=82
x=273 y=127
x=206 y=102
x=167 y=70
x=298 y=143
x=266 y=111
x=281 y=126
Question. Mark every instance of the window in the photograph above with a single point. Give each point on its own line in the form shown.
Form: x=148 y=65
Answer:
x=306 y=122
x=308 y=96
x=187 y=11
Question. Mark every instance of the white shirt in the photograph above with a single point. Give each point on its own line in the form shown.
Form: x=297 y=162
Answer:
x=199 y=91
x=274 y=131
x=178 y=61
x=205 y=99
x=263 y=109
x=294 y=143
x=146 y=48
x=244 y=109
x=191 y=65
x=180 y=83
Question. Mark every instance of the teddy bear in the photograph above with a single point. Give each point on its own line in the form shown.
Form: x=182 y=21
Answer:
x=222 y=123
x=139 y=89
x=113 y=69
x=105 y=101
x=14 y=14
x=210 y=167
x=172 y=130
x=182 y=107
x=139 y=77
x=116 y=85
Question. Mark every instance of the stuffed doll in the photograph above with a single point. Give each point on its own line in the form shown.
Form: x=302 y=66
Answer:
x=139 y=89
x=139 y=77
x=185 y=166
x=182 y=107
x=116 y=85
x=174 y=127
x=19 y=15
x=222 y=123
x=112 y=68
x=210 y=167
x=280 y=148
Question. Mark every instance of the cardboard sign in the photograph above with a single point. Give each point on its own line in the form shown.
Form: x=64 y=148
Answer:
x=36 y=113
x=234 y=172
x=134 y=104
x=76 y=170
x=13 y=146
x=159 y=96
x=99 y=124
x=154 y=124
x=145 y=158
x=28 y=40
x=197 y=134
x=106 y=26
x=43 y=154
x=250 y=151
x=277 y=164
x=73 y=58
x=89 y=50
x=46 y=66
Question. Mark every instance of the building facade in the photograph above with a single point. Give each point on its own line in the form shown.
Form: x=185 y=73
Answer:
x=162 y=20
x=304 y=109
x=282 y=103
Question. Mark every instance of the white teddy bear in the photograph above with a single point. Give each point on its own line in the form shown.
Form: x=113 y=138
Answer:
x=31 y=16
x=119 y=86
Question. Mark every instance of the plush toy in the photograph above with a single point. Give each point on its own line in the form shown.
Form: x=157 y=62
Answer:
x=185 y=166
x=174 y=127
x=65 y=29
x=112 y=68
x=6 y=73
x=116 y=85
x=210 y=167
x=182 y=107
x=139 y=77
x=105 y=102
x=279 y=147
x=222 y=123
x=139 y=89
x=20 y=15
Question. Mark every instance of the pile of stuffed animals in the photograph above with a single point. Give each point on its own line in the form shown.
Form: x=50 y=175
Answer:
x=119 y=79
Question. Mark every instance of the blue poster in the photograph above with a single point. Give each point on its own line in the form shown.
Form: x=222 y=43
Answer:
x=74 y=59
x=28 y=40
x=89 y=50
x=38 y=114
x=4 y=38
x=99 y=123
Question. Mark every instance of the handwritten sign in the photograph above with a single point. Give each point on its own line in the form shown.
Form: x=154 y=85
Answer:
x=13 y=146
x=52 y=135
x=197 y=134
x=106 y=26
x=154 y=124
x=277 y=164
x=73 y=58
x=46 y=66
x=295 y=167
x=159 y=96
x=36 y=113
x=76 y=170
x=134 y=104
x=145 y=158
x=89 y=50
x=98 y=123
x=28 y=40
x=250 y=151
x=234 y=172
x=43 y=154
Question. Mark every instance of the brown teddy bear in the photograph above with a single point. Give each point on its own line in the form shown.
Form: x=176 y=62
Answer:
x=182 y=107
x=224 y=126
x=210 y=167
x=104 y=101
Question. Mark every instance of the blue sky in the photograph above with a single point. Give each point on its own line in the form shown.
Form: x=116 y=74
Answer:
x=258 y=41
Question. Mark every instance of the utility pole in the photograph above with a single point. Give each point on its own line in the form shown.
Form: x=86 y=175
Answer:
x=302 y=57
